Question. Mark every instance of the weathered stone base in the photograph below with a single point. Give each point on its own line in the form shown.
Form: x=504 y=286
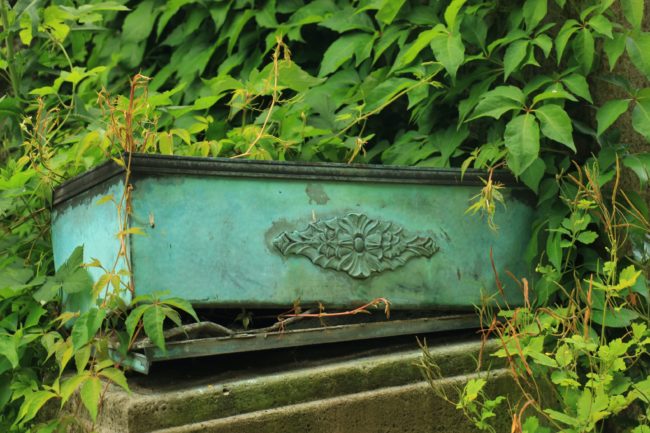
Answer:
x=365 y=393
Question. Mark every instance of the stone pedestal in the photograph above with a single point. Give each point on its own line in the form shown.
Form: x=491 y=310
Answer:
x=350 y=389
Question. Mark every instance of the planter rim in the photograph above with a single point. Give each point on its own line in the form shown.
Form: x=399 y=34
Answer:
x=159 y=165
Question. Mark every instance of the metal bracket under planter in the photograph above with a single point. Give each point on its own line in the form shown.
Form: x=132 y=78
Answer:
x=141 y=361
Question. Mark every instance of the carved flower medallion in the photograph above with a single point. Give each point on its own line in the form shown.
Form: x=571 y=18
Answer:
x=355 y=244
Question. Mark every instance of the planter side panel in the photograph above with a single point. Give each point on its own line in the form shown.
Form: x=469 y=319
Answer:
x=80 y=221
x=215 y=241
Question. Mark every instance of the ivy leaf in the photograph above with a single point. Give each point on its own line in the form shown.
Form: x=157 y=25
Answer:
x=292 y=76
x=81 y=358
x=32 y=404
x=568 y=29
x=388 y=38
x=408 y=54
x=499 y=101
x=134 y=317
x=386 y=91
x=71 y=276
x=451 y=13
x=633 y=12
x=9 y=350
x=153 y=319
x=183 y=305
x=116 y=376
x=90 y=393
x=346 y=19
x=341 y=51
x=478 y=90
x=522 y=141
x=640 y=165
x=449 y=50
x=86 y=327
x=609 y=112
x=70 y=385
x=534 y=174
x=587 y=237
x=641 y=117
x=638 y=48
x=577 y=84
x=165 y=143
x=545 y=43
x=614 y=48
x=584 y=49
x=389 y=10
x=602 y=25
x=513 y=57
x=556 y=124
x=534 y=12
x=613 y=318
x=138 y=24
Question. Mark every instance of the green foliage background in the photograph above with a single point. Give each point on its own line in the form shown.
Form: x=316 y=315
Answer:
x=486 y=84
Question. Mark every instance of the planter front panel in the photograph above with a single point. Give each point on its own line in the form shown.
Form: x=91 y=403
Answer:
x=225 y=241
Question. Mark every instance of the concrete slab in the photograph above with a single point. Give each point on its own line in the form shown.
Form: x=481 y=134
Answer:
x=366 y=391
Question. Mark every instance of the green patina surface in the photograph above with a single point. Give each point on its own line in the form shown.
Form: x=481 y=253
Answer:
x=234 y=241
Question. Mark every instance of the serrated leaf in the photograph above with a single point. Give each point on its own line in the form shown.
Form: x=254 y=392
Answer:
x=577 y=84
x=638 y=48
x=449 y=50
x=641 y=117
x=534 y=174
x=613 y=318
x=566 y=31
x=183 y=305
x=292 y=76
x=522 y=141
x=545 y=43
x=116 y=376
x=553 y=94
x=341 y=51
x=9 y=350
x=70 y=385
x=32 y=404
x=640 y=165
x=633 y=12
x=584 y=50
x=389 y=10
x=153 y=319
x=534 y=12
x=515 y=54
x=609 y=113
x=48 y=291
x=165 y=143
x=134 y=317
x=139 y=23
x=451 y=13
x=81 y=357
x=587 y=237
x=87 y=326
x=556 y=124
x=72 y=276
x=386 y=91
x=90 y=392
x=602 y=25
x=561 y=417
x=345 y=19
x=614 y=48
x=499 y=101
x=409 y=53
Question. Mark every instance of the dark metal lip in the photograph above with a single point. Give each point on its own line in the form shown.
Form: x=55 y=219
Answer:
x=160 y=165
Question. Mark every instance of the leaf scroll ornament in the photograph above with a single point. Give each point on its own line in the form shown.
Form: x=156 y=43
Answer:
x=355 y=244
